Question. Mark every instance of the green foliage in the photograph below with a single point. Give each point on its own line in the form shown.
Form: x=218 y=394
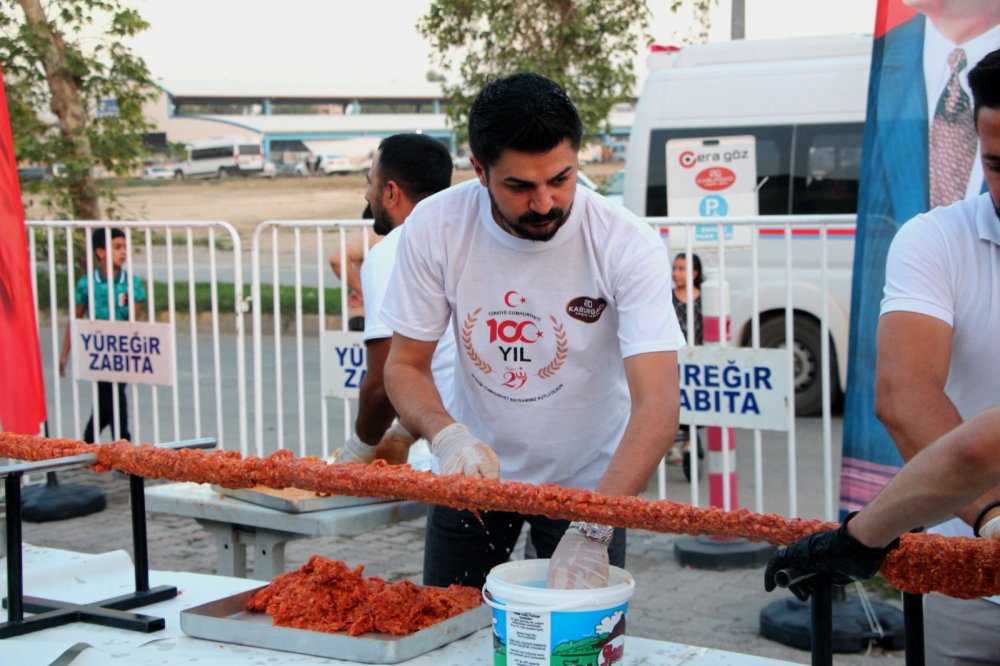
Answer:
x=586 y=46
x=100 y=67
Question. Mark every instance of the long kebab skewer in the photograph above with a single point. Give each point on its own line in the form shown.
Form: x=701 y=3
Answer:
x=962 y=568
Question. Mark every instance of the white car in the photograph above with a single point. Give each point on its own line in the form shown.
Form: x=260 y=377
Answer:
x=331 y=164
x=157 y=173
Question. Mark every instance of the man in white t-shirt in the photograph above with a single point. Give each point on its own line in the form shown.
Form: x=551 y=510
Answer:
x=405 y=169
x=937 y=360
x=567 y=364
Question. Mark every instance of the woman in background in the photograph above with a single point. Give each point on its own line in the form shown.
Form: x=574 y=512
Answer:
x=683 y=292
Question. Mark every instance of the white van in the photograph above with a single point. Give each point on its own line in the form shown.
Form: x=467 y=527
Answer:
x=804 y=100
x=219 y=158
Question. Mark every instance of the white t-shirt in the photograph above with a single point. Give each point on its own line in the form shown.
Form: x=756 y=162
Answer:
x=542 y=327
x=946 y=264
x=376 y=270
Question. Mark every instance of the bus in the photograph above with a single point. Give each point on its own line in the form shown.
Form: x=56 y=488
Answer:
x=803 y=100
x=221 y=158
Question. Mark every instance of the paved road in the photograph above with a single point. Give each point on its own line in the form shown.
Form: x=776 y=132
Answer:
x=717 y=609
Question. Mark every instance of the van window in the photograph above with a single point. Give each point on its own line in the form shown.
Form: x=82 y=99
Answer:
x=827 y=168
x=211 y=153
x=774 y=149
x=249 y=149
x=826 y=165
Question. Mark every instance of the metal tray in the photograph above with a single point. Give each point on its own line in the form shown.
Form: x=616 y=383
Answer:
x=294 y=500
x=227 y=620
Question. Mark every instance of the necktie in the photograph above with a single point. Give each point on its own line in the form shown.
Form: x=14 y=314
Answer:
x=952 y=139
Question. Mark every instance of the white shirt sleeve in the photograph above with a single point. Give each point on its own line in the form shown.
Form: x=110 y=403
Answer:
x=376 y=270
x=416 y=303
x=917 y=274
x=642 y=288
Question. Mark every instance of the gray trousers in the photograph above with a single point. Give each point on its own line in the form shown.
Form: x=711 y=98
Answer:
x=961 y=631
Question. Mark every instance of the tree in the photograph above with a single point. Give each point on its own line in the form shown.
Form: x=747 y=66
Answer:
x=586 y=46
x=75 y=99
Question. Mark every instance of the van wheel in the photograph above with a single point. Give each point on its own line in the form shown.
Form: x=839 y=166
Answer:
x=178 y=175
x=223 y=174
x=807 y=358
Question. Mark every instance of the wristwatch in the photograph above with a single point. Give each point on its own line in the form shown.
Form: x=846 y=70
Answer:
x=594 y=531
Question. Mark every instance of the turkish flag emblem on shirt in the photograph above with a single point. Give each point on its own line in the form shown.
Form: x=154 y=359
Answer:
x=22 y=390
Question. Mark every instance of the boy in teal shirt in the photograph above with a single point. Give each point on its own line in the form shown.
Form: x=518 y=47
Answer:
x=120 y=296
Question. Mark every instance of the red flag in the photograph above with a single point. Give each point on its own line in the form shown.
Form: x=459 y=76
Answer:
x=22 y=391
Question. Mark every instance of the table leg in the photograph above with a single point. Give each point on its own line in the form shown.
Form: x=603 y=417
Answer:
x=269 y=553
x=230 y=551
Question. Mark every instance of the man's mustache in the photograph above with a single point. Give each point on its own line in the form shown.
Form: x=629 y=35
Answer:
x=538 y=218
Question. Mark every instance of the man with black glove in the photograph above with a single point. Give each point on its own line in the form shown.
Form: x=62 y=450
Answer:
x=948 y=474
x=833 y=552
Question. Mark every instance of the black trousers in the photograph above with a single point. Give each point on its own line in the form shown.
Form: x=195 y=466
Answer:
x=106 y=413
x=459 y=549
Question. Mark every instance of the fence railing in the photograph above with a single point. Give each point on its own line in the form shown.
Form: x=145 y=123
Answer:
x=271 y=237
x=163 y=255
x=788 y=280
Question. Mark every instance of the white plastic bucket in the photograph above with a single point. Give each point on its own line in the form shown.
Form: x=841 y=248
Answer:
x=536 y=626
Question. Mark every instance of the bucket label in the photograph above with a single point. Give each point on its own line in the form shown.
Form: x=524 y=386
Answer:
x=580 y=638
x=528 y=638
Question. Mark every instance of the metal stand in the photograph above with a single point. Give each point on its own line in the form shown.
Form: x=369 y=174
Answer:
x=107 y=612
x=832 y=623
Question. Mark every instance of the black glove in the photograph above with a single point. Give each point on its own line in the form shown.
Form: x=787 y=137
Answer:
x=833 y=552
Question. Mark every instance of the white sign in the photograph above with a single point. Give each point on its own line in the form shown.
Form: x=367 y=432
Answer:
x=734 y=386
x=343 y=362
x=711 y=177
x=122 y=351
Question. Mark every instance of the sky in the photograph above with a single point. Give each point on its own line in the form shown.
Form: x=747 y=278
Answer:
x=362 y=40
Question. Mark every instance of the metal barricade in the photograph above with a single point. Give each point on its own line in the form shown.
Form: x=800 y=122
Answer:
x=314 y=422
x=789 y=278
x=199 y=401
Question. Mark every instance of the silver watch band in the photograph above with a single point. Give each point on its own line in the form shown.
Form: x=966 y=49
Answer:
x=595 y=531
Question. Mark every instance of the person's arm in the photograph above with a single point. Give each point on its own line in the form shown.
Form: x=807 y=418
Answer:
x=914 y=353
x=944 y=476
x=375 y=411
x=355 y=254
x=64 y=357
x=410 y=386
x=653 y=387
x=954 y=471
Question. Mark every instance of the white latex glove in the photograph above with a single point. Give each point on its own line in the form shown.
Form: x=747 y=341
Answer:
x=354 y=450
x=578 y=563
x=991 y=530
x=460 y=452
x=394 y=447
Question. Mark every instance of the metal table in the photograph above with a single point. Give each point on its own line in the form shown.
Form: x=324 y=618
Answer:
x=78 y=577
x=236 y=524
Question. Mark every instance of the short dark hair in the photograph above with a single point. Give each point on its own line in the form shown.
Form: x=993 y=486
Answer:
x=525 y=112
x=98 y=241
x=984 y=82
x=421 y=165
